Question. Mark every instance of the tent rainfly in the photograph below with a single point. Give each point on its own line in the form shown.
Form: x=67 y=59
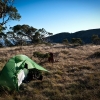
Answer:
x=13 y=72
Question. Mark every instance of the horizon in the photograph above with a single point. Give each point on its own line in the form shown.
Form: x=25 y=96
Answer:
x=58 y=16
x=79 y=31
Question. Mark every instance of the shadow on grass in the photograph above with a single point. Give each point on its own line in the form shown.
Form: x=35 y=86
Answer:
x=94 y=55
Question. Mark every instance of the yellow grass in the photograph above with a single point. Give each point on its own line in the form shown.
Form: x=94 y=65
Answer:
x=74 y=75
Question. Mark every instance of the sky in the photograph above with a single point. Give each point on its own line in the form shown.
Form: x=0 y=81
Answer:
x=58 y=16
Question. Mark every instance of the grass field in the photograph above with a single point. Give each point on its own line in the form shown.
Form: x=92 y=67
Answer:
x=75 y=75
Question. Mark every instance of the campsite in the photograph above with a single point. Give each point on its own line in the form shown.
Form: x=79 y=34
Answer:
x=49 y=50
x=75 y=74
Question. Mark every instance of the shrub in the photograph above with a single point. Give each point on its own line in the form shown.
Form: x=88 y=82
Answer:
x=40 y=56
x=64 y=52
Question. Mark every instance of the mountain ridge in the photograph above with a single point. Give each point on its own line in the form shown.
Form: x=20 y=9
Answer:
x=85 y=35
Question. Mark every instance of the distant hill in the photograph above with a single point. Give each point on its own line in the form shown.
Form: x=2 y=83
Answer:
x=84 y=35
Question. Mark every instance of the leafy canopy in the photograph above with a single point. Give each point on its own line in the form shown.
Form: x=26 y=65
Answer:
x=8 y=11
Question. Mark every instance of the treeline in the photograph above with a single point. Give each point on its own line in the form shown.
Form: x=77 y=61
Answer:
x=78 y=41
x=23 y=35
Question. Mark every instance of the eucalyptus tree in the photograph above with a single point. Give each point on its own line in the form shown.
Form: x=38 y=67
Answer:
x=76 y=41
x=10 y=36
x=41 y=35
x=8 y=11
x=35 y=35
x=16 y=34
x=95 y=39
x=5 y=41
x=26 y=32
x=3 y=37
x=65 y=41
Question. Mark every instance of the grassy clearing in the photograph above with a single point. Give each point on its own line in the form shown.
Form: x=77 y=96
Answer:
x=71 y=77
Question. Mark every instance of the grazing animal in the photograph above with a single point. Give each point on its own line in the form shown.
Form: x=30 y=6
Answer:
x=51 y=59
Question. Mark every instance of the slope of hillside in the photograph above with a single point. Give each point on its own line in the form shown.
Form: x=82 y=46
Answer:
x=74 y=76
x=84 y=35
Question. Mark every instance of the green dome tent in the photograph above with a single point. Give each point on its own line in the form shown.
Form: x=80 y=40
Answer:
x=12 y=74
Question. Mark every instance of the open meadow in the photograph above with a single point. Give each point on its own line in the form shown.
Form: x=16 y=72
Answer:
x=75 y=74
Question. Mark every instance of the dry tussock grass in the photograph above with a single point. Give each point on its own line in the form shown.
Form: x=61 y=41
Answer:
x=73 y=76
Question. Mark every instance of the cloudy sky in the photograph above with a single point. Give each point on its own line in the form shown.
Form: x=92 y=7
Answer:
x=59 y=15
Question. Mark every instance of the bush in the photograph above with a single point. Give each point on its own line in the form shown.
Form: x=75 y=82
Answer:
x=40 y=56
x=64 y=52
